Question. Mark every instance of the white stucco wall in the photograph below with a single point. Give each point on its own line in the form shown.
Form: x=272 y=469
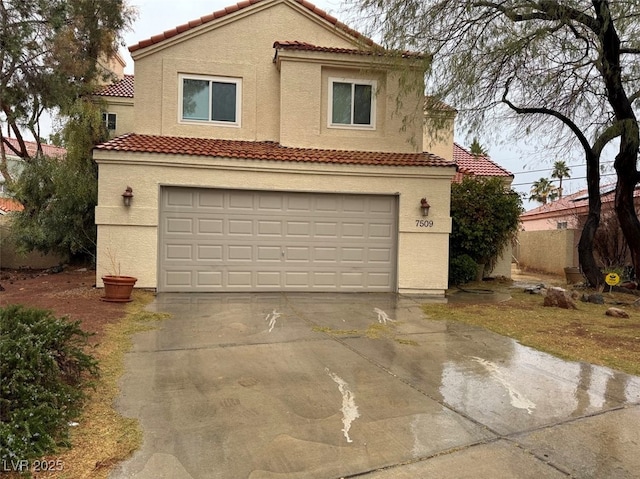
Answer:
x=129 y=236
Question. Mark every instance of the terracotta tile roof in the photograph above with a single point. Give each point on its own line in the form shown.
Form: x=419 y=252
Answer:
x=32 y=148
x=432 y=103
x=122 y=88
x=577 y=200
x=264 y=150
x=239 y=6
x=304 y=46
x=469 y=164
x=7 y=205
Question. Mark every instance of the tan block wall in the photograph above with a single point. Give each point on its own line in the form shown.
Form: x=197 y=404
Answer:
x=132 y=233
x=549 y=251
x=10 y=258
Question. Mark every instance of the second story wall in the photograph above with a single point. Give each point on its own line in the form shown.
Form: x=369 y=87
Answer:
x=236 y=48
x=285 y=102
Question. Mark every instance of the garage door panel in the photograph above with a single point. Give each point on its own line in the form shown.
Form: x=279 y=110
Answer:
x=211 y=200
x=178 y=197
x=179 y=252
x=298 y=204
x=383 y=231
x=299 y=228
x=325 y=254
x=179 y=225
x=270 y=228
x=235 y=240
x=208 y=226
x=270 y=203
x=240 y=227
x=210 y=279
x=269 y=253
x=352 y=255
x=353 y=230
x=209 y=253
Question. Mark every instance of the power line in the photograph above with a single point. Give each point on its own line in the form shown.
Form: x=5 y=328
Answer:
x=551 y=168
x=564 y=179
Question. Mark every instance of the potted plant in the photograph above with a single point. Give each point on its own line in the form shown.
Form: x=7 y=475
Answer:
x=117 y=287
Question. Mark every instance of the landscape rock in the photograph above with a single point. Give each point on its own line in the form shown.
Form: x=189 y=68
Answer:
x=617 y=313
x=536 y=289
x=595 y=298
x=559 y=298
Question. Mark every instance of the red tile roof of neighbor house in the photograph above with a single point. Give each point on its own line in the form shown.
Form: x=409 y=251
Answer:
x=32 y=148
x=7 y=205
x=475 y=165
x=577 y=200
x=239 y=6
x=121 y=88
x=265 y=150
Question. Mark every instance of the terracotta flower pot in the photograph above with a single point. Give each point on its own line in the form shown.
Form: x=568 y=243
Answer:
x=118 y=289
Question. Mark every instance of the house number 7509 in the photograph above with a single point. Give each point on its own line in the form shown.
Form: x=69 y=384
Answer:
x=424 y=223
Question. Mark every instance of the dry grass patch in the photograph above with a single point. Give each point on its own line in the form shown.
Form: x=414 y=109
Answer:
x=585 y=334
x=103 y=437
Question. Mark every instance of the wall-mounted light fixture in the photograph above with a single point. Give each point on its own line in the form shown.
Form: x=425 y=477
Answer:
x=424 y=206
x=127 y=196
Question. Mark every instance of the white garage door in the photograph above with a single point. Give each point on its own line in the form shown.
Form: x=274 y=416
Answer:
x=237 y=240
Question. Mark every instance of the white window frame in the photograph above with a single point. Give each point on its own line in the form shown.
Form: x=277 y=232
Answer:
x=238 y=84
x=352 y=126
x=105 y=119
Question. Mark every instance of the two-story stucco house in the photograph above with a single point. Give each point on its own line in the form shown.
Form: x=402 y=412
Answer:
x=267 y=153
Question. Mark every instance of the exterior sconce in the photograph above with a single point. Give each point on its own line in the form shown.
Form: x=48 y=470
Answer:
x=127 y=196
x=424 y=206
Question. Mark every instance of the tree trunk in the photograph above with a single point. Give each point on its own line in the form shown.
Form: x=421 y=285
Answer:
x=628 y=178
x=585 y=246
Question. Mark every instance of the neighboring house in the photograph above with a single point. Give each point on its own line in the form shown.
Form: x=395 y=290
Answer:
x=118 y=117
x=15 y=164
x=278 y=163
x=551 y=232
x=570 y=212
x=482 y=166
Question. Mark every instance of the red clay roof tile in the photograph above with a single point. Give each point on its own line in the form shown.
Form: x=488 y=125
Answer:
x=239 y=6
x=304 y=46
x=265 y=150
x=121 y=88
x=8 y=204
x=469 y=164
x=32 y=148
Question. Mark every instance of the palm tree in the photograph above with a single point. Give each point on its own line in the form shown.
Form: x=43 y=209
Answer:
x=560 y=170
x=543 y=190
x=476 y=149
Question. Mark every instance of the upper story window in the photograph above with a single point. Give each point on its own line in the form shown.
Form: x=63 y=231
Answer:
x=561 y=225
x=211 y=99
x=351 y=103
x=109 y=120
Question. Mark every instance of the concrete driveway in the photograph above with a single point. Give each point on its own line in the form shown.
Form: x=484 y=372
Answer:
x=332 y=386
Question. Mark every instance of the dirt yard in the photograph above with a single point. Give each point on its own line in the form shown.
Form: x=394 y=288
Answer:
x=69 y=293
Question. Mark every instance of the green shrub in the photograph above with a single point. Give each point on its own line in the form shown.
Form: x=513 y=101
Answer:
x=44 y=369
x=462 y=269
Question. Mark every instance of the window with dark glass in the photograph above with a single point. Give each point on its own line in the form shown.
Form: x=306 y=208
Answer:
x=351 y=103
x=211 y=100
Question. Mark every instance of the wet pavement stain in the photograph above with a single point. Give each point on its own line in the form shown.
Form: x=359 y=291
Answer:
x=336 y=393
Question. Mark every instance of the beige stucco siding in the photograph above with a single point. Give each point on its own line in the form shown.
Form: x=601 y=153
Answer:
x=123 y=108
x=422 y=251
x=243 y=49
x=438 y=134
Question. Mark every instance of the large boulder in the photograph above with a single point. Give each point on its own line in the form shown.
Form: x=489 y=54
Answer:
x=559 y=298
